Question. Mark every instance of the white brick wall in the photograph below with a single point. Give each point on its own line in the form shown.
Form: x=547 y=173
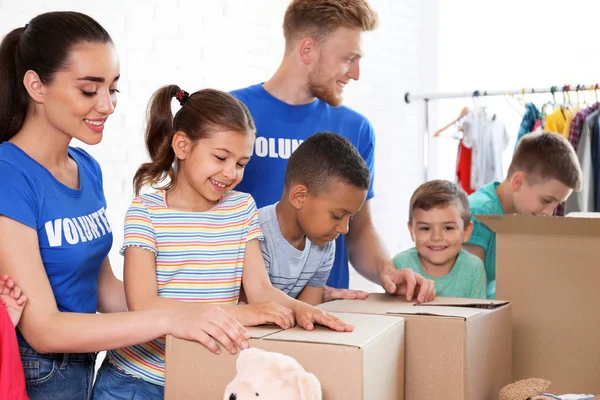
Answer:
x=229 y=44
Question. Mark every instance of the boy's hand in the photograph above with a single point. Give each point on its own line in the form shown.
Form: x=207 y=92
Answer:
x=407 y=282
x=330 y=294
x=269 y=312
x=12 y=298
x=307 y=316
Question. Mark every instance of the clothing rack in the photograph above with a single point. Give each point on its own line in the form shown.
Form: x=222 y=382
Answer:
x=408 y=97
x=426 y=97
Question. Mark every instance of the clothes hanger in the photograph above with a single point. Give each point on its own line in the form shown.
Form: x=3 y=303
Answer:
x=485 y=108
x=567 y=95
x=462 y=114
x=512 y=104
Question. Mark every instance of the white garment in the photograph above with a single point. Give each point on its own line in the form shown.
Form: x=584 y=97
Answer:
x=488 y=138
x=570 y=396
x=584 y=200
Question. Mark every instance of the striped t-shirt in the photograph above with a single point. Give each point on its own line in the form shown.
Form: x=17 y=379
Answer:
x=199 y=258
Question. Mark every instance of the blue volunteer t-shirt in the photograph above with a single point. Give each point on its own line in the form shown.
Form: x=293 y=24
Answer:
x=74 y=235
x=280 y=130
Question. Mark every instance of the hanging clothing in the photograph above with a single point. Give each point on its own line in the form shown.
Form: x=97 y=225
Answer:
x=556 y=121
x=487 y=137
x=575 y=133
x=532 y=114
x=584 y=201
x=573 y=110
x=577 y=124
x=596 y=162
x=463 y=167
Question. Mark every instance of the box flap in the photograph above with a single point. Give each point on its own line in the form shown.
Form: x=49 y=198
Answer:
x=376 y=303
x=259 y=332
x=461 y=302
x=541 y=226
x=382 y=303
x=436 y=311
x=366 y=328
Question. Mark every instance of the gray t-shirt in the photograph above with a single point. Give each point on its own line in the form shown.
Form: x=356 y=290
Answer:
x=290 y=269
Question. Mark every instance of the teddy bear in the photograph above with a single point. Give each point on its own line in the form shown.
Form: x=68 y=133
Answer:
x=263 y=375
x=536 y=389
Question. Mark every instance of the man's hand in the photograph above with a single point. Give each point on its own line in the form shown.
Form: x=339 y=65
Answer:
x=409 y=283
x=330 y=294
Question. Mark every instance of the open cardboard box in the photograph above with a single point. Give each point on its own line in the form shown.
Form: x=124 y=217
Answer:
x=549 y=269
x=456 y=349
x=365 y=364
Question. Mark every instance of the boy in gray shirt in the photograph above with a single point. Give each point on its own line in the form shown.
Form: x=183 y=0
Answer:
x=326 y=183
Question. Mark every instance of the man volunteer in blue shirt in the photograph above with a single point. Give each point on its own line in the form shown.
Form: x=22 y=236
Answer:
x=304 y=97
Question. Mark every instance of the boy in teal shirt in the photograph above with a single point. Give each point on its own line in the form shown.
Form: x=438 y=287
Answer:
x=439 y=222
x=544 y=171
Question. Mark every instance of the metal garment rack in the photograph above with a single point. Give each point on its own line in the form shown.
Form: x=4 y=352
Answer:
x=426 y=97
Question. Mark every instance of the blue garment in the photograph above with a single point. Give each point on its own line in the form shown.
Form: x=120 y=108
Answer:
x=280 y=130
x=74 y=236
x=54 y=376
x=596 y=163
x=485 y=201
x=112 y=383
x=528 y=122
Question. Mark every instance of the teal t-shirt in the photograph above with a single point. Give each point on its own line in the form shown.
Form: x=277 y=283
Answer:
x=466 y=279
x=486 y=201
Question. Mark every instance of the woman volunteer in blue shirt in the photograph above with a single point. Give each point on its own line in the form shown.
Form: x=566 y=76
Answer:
x=58 y=81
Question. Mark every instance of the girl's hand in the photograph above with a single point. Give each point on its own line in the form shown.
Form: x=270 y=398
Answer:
x=263 y=313
x=208 y=324
x=307 y=316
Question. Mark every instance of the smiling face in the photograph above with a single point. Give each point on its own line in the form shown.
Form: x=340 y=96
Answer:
x=214 y=165
x=80 y=98
x=338 y=63
x=438 y=234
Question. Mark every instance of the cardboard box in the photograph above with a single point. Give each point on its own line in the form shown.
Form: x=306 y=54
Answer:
x=365 y=364
x=456 y=349
x=549 y=269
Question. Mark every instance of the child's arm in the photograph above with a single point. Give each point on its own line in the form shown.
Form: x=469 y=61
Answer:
x=311 y=295
x=49 y=330
x=479 y=238
x=111 y=291
x=258 y=288
x=475 y=250
x=330 y=293
x=12 y=298
x=141 y=290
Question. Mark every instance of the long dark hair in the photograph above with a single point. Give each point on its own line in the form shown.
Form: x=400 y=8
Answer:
x=202 y=114
x=42 y=46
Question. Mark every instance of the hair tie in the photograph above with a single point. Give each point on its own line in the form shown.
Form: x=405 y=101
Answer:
x=182 y=96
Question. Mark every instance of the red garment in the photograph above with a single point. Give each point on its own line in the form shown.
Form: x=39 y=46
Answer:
x=12 y=378
x=463 y=167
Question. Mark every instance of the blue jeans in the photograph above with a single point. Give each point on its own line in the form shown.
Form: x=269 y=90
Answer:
x=113 y=383
x=57 y=376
